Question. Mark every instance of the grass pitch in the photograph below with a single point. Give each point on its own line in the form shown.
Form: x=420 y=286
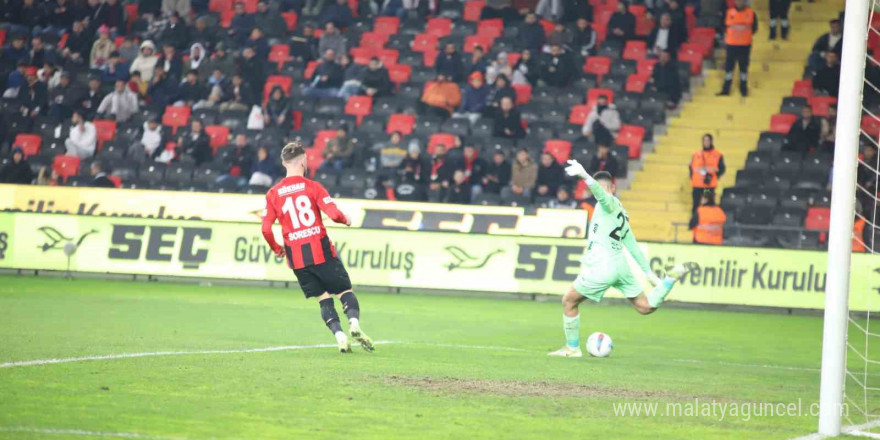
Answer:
x=458 y=367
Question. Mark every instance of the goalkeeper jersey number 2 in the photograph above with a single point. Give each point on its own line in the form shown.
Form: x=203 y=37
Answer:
x=609 y=231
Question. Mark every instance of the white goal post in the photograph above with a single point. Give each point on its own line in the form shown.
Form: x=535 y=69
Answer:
x=849 y=114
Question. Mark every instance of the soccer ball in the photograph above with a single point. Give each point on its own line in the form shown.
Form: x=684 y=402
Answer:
x=599 y=345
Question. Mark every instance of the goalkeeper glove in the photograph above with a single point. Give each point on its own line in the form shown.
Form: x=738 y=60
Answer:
x=575 y=169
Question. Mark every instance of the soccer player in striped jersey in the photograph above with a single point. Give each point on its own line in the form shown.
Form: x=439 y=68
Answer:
x=604 y=264
x=297 y=202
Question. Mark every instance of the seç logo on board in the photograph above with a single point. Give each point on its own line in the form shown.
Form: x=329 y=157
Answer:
x=461 y=259
x=53 y=239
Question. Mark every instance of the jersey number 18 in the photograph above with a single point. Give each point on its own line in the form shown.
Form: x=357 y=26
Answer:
x=299 y=211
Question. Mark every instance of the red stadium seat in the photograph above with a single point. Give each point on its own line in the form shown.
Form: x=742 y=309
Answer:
x=445 y=139
x=472 y=10
x=362 y=55
x=176 y=117
x=513 y=57
x=280 y=54
x=359 y=106
x=131 y=14
x=820 y=104
x=578 y=114
x=694 y=57
x=631 y=136
x=315 y=159
x=310 y=70
x=29 y=143
x=250 y=6
x=870 y=125
x=399 y=73
x=429 y=57
x=400 y=122
x=598 y=66
x=644 y=25
x=66 y=166
x=439 y=27
x=291 y=19
x=105 y=130
x=636 y=83
x=220 y=5
x=226 y=17
x=386 y=25
x=388 y=56
x=321 y=139
x=285 y=82
x=646 y=67
x=782 y=122
x=635 y=50
x=492 y=28
x=594 y=94
x=373 y=40
x=702 y=32
x=548 y=26
x=63 y=40
x=472 y=41
x=637 y=10
x=818 y=218
x=2 y=37
x=117 y=181
x=580 y=190
x=523 y=93
x=601 y=32
x=559 y=149
x=802 y=88
x=219 y=135
x=603 y=16
x=424 y=42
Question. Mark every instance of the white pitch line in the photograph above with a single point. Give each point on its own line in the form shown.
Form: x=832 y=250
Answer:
x=857 y=430
x=737 y=364
x=86 y=433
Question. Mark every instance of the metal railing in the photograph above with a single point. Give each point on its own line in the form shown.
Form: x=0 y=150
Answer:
x=789 y=237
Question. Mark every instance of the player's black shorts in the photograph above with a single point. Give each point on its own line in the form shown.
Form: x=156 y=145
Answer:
x=329 y=276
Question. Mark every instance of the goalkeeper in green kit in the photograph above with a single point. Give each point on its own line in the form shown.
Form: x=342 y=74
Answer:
x=604 y=263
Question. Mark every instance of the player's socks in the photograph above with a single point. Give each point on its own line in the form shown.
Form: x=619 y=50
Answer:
x=571 y=326
x=352 y=309
x=328 y=314
x=659 y=293
x=350 y=306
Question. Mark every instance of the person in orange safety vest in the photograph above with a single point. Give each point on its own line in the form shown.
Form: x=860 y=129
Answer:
x=708 y=220
x=741 y=23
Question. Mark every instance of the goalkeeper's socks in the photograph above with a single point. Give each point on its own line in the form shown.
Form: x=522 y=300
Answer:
x=572 y=328
x=328 y=314
x=659 y=292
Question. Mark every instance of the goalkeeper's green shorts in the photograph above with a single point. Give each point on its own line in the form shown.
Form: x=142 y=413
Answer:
x=595 y=280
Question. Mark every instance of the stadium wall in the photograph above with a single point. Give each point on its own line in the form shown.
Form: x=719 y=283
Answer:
x=409 y=259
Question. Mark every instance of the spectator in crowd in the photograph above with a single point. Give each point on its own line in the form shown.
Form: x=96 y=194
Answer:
x=352 y=77
x=679 y=19
x=33 y=97
x=338 y=151
x=270 y=22
x=477 y=62
x=804 y=135
x=18 y=170
x=867 y=176
x=197 y=57
x=237 y=95
x=459 y=191
x=474 y=101
x=120 y=104
x=376 y=82
x=16 y=79
x=265 y=170
x=502 y=9
x=253 y=70
x=827 y=79
x=176 y=33
x=831 y=41
x=60 y=18
x=450 y=63
x=303 y=44
x=829 y=131
x=16 y=51
x=257 y=41
x=171 y=62
x=78 y=44
x=441 y=97
x=328 y=77
x=622 y=24
x=163 y=91
x=101 y=48
x=313 y=7
x=526 y=69
x=239 y=161
x=531 y=34
x=112 y=15
x=99 y=176
x=497 y=174
x=82 y=139
x=603 y=122
x=500 y=89
x=442 y=169
x=192 y=90
x=219 y=60
x=474 y=168
x=603 y=161
x=49 y=75
x=145 y=63
x=584 y=38
x=557 y=69
x=563 y=199
x=779 y=15
x=195 y=145
x=508 y=123
x=665 y=80
x=337 y=13
x=115 y=69
x=499 y=66
x=707 y=166
x=241 y=24
x=560 y=35
x=203 y=34
x=276 y=110
x=90 y=100
x=62 y=98
x=151 y=142
x=523 y=175
x=415 y=167
x=707 y=221
x=574 y=10
x=128 y=51
x=550 y=176
x=665 y=38
x=179 y=7
x=40 y=53
x=391 y=153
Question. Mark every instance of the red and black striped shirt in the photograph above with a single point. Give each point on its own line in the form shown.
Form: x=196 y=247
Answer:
x=297 y=203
